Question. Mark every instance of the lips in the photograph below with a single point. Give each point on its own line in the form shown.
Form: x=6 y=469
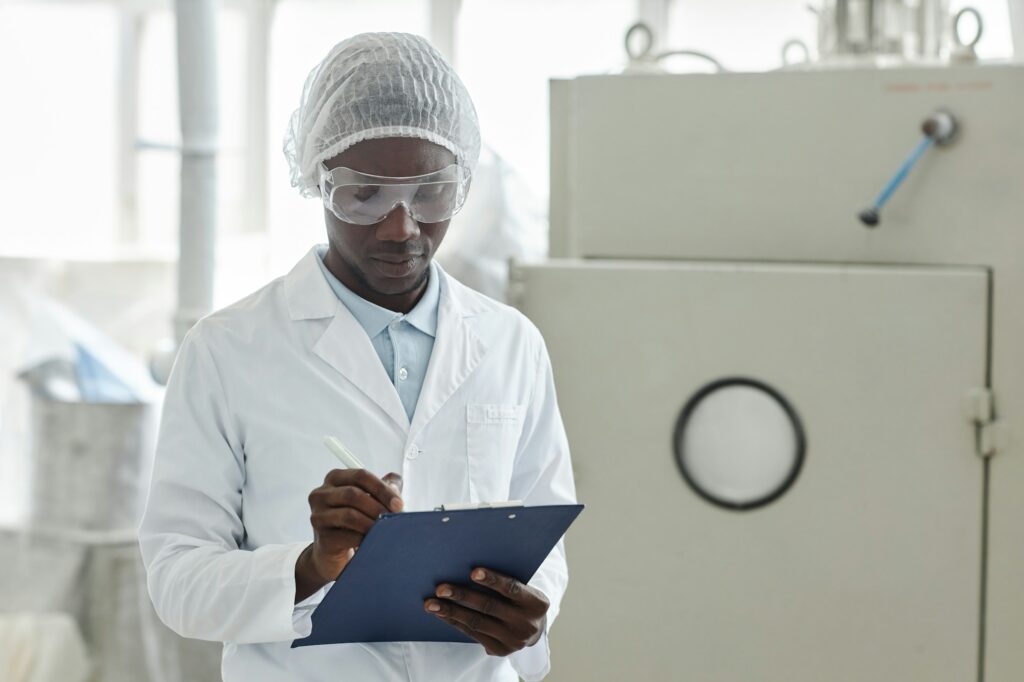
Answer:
x=395 y=266
x=396 y=258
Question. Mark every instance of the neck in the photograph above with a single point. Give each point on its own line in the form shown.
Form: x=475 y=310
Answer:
x=399 y=303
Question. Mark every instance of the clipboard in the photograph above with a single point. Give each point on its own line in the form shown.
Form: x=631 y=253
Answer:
x=405 y=556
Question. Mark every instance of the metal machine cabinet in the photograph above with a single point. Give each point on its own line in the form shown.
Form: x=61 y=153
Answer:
x=708 y=241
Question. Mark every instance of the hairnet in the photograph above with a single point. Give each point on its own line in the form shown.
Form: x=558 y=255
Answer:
x=376 y=85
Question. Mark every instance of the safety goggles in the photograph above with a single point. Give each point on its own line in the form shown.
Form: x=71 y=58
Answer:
x=365 y=199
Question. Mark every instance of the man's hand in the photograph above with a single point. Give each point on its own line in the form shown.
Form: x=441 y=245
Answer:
x=504 y=617
x=342 y=510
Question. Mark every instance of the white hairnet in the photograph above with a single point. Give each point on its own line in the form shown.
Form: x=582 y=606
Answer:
x=376 y=85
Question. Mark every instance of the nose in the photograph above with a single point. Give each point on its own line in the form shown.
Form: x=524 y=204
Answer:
x=397 y=226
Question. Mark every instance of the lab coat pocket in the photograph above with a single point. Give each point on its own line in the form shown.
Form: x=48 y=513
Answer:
x=492 y=434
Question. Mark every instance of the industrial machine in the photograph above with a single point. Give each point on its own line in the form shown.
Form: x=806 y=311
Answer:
x=790 y=377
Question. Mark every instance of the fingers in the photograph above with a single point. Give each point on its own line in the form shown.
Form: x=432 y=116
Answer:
x=473 y=621
x=341 y=518
x=508 y=587
x=506 y=617
x=394 y=480
x=361 y=478
x=492 y=646
x=347 y=496
x=489 y=604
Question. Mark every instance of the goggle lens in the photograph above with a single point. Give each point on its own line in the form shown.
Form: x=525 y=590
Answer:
x=366 y=199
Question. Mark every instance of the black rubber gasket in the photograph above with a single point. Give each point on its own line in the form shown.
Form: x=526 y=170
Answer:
x=683 y=421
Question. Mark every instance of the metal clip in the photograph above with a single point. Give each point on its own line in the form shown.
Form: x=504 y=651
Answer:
x=462 y=506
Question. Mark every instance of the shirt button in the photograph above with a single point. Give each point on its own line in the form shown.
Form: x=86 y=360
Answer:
x=412 y=452
x=403 y=374
x=395 y=324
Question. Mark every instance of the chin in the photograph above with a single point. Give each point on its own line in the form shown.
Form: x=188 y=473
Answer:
x=392 y=288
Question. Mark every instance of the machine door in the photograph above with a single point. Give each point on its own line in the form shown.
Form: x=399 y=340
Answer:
x=781 y=482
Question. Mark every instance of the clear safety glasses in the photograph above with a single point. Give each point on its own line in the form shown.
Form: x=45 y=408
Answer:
x=365 y=199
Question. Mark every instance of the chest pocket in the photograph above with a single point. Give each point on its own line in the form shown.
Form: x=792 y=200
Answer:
x=492 y=436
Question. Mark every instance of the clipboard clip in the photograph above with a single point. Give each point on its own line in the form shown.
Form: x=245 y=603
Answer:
x=479 y=505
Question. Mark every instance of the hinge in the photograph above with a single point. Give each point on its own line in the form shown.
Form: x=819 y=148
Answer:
x=979 y=407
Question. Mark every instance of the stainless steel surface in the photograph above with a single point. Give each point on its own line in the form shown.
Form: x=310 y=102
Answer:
x=904 y=29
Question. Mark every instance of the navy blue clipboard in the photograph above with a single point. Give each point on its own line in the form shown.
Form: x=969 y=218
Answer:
x=379 y=596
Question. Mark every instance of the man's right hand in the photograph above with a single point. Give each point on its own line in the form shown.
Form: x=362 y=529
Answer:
x=342 y=510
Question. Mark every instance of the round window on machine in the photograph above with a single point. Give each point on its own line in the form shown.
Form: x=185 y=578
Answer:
x=739 y=443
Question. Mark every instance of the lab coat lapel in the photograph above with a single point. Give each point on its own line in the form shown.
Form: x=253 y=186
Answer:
x=344 y=344
x=346 y=347
x=457 y=352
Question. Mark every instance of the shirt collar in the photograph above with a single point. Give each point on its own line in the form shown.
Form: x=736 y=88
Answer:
x=423 y=316
x=372 y=317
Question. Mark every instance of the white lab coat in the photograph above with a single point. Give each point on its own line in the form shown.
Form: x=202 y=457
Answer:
x=254 y=390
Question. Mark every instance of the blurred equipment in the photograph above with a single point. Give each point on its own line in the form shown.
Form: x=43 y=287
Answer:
x=889 y=33
x=196 y=22
x=963 y=50
x=642 y=58
x=820 y=483
x=502 y=220
x=898 y=28
x=1017 y=27
x=69 y=359
x=93 y=410
x=97 y=578
x=92 y=417
x=42 y=648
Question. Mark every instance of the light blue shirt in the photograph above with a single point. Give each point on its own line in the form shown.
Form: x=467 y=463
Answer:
x=403 y=342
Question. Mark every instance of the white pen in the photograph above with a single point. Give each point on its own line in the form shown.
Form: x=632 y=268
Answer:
x=342 y=453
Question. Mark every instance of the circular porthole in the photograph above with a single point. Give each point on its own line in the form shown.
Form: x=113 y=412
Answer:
x=739 y=443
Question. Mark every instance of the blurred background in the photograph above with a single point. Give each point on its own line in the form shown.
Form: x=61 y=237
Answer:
x=743 y=143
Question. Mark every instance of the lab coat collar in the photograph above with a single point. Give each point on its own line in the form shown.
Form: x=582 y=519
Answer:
x=373 y=318
x=423 y=316
x=345 y=346
x=308 y=295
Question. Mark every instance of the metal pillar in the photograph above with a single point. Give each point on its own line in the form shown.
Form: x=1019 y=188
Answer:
x=197 y=85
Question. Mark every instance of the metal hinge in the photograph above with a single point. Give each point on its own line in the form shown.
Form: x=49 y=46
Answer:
x=979 y=407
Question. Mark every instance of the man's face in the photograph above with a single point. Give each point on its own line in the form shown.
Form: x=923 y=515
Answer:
x=388 y=261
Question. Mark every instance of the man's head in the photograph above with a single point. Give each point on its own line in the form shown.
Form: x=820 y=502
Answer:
x=385 y=104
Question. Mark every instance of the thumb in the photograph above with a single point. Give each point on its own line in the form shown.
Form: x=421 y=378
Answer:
x=394 y=480
x=344 y=561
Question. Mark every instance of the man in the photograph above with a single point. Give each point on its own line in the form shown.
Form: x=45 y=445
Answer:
x=248 y=522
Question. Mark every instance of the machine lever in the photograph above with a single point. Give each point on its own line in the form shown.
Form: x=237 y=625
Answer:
x=939 y=128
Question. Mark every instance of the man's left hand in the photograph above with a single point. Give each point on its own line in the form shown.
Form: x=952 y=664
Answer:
x=505 y=616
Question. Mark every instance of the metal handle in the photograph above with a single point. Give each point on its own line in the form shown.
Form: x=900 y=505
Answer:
x=940 y=128
x=967 y=11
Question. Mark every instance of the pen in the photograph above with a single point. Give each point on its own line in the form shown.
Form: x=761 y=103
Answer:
x=349 y=460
